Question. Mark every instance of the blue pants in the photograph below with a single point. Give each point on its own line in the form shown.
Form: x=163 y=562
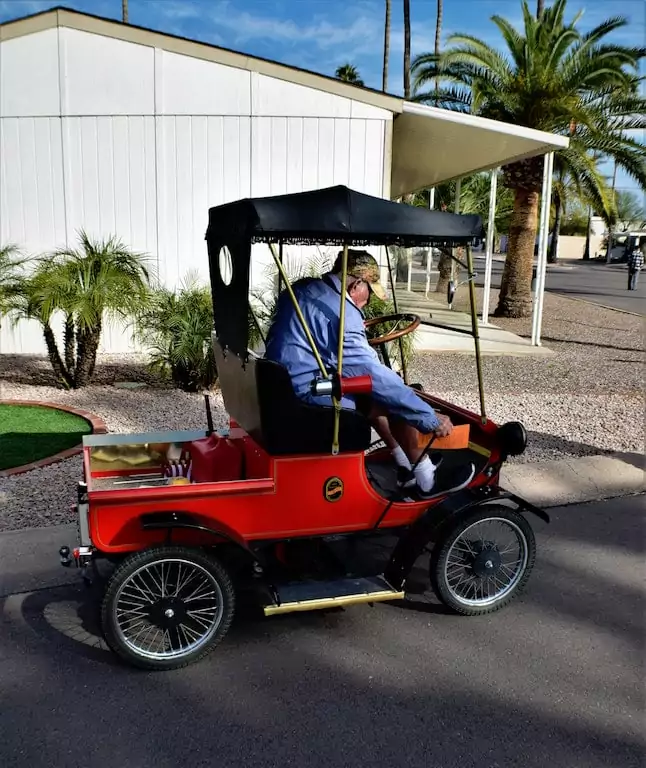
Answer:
x=632 y=280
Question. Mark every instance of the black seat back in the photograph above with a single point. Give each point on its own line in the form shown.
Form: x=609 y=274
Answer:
x=258 y=394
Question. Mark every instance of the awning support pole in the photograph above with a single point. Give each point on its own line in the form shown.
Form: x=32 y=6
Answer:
x=541 y=266
x=429 y=252
x=489 y=245
x=299 y=314
x=476 y=332
x=396 y=308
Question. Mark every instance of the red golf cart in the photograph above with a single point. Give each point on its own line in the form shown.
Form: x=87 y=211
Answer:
x=294 y=506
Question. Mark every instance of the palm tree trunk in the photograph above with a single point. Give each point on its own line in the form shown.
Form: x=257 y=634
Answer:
x=384 y=79
x=444 y=267
x=86 y=356
x=438 y=37
x=515 y=298
x=552 y=253
x=407 y=49
x=124 y=11
x=69 y=342
x=55 y=359
x=540 y=5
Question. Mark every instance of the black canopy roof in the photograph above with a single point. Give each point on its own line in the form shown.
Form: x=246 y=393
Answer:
x=336 y=216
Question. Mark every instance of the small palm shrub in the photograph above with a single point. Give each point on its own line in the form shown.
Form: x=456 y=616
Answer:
x=11 y=264
x=175 y=328
x=100 y=279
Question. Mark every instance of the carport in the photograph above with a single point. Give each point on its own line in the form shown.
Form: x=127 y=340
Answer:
x=431 y=146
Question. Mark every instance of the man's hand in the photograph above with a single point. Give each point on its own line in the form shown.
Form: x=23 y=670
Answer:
x=445 y=428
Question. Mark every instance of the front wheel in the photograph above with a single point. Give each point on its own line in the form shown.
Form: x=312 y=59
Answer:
x=167 y=607
x=484 y=561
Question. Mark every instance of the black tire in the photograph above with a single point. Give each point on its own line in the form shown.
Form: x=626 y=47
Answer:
x=135 y=574
x=476 y=561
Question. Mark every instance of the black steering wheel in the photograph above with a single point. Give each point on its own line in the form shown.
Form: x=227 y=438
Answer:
x=410 y=323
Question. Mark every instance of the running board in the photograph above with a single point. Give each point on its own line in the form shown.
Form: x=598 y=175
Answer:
x=315 y=595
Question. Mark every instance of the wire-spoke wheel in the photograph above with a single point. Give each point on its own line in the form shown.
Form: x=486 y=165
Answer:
x=484 y=561
x=167 y=607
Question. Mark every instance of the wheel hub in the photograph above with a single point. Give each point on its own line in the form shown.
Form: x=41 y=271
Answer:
x=167 y=613
x=486 y=563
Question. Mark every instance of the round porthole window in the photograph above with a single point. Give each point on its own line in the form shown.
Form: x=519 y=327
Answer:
x=225 y=265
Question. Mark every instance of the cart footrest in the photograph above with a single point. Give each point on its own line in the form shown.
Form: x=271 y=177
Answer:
x=315 y=595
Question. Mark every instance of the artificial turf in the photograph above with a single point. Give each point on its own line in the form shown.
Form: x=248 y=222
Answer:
x=30 y=433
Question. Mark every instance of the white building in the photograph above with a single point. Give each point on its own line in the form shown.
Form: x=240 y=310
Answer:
x=125 y=131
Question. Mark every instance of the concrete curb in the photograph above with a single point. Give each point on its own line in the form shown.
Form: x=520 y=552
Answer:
x=575 y=480
x=98 y=428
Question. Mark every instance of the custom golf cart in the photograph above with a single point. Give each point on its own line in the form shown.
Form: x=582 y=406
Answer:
x=294 y=506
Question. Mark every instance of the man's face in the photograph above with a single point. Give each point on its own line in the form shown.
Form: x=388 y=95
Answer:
x=359 y=292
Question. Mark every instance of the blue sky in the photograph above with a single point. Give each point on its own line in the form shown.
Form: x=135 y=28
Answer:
x=322 y=34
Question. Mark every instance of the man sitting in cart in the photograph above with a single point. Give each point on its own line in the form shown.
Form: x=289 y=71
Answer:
x=395 y=411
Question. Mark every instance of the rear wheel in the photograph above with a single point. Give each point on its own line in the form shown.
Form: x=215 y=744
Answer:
x=167 y=607
x=484 y=561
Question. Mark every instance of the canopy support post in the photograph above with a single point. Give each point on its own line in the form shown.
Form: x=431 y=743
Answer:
x=396 y=308
x=297 y=309
x=541 y=266
x=336 y=401
x=476 y=332
x=489 y=246
x=280 y=275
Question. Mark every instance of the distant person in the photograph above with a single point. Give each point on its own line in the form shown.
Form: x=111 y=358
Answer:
x=635 y=263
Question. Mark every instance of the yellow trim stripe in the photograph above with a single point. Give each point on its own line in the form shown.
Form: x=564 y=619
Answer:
x=332 y=602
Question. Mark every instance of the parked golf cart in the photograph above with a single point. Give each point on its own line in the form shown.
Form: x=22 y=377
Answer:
x=285 y=507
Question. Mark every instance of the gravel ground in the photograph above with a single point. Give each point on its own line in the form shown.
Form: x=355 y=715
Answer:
x=585 y=399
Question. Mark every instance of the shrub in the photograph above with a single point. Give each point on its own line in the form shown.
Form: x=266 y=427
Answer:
x=176 y=330
x=102 y=278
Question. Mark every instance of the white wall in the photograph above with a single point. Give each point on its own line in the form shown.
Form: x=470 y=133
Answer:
x=124 y=139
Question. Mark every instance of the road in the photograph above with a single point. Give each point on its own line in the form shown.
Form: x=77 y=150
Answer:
x=600 y=283
x=554 y=679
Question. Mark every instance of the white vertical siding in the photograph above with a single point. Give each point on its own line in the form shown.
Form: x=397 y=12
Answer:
x=122 y=139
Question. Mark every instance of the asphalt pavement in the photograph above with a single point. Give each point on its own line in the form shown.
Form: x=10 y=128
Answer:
x=600 y=283
x=555 y=678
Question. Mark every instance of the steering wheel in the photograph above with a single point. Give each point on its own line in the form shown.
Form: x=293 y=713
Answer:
x=396 y=332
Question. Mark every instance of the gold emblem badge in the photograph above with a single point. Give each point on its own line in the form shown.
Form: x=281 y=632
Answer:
x=333 y=489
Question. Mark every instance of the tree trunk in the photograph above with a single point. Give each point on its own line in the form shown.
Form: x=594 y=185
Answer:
x=407 y=49
x=515 y=299
x=384 y=79
x=552 y=253
x=540 y=5
x=69 y=341
x=86 y=356
x=55 y=359
x=124 y=11
x=438 y=37
x=444 y=267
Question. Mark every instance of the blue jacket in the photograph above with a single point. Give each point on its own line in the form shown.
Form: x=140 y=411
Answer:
x=319 y=300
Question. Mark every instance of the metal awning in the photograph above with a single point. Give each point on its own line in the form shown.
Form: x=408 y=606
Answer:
x=432 y=145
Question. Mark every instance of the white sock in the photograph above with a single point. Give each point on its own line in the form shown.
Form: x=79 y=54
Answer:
x=400 y=457
x=425 y=474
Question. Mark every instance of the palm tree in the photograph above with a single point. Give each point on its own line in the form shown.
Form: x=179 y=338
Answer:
x=384 y=79
x=100 y=279
x=555 y=79
x=11 y=263
x=630 y=212
x=407 y=49
x=438 y=39
x=349 y=74
x=540 y=5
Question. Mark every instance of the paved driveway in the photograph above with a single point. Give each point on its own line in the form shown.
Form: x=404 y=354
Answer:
x=555 y=679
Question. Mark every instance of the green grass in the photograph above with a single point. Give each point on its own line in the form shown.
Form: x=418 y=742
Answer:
x=30 y=433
